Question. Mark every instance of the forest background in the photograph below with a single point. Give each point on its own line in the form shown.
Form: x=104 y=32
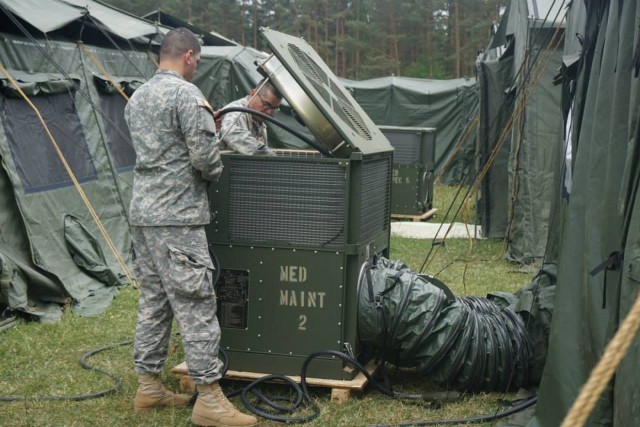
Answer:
x=358 y=39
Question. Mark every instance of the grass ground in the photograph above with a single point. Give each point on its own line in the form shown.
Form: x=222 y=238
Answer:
x=42 y=359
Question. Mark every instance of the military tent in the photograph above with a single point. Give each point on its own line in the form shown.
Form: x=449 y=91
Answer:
x=450 y=106
x=521 y=127
x=599 y=231
x=68 y=58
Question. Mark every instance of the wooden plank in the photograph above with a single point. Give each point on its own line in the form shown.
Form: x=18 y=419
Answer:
x=340 y=389
x=340 y=395
x=417 y=218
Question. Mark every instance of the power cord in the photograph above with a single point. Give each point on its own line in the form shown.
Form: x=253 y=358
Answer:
x=83 y=362
x=267 y=407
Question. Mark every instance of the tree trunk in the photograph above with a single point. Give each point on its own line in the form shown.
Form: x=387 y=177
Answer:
x=326 y=32
x=456 y=10
x=336 y=47
x=255 y=24
x=316 y=32
x=357 y=53
x=394 y=37
x=430 y=47
x=187 y=5
x=243 y=26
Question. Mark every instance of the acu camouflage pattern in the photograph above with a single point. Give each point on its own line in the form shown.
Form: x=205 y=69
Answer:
x=173 y=133
x=176 y=277
x=241 y=133
x=174 y=137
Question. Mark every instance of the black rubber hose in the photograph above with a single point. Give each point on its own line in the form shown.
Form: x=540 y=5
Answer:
x=268 y=118
x=302 y=398
x=474 y=420
x=78 y=397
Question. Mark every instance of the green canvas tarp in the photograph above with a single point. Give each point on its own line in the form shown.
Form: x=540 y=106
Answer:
x=53 y=252
x=447 y=105
x=601 y=219
x=520 y=109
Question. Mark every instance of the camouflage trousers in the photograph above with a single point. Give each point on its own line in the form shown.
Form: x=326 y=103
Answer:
x=175 y=272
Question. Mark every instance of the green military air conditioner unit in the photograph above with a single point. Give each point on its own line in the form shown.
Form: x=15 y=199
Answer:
x=292 y=231
x=413 y=168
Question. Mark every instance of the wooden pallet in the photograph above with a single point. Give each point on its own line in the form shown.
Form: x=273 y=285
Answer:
x=340 y=390
x=417 y=218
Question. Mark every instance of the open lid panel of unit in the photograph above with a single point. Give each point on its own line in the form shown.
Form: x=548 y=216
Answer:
x=319 y=99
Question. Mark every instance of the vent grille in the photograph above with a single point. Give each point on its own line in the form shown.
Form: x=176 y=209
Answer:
x=375 y=197
x=351 y=117
x=287 y=201
x=308 y=65
x=406 y=147
x=329 y=91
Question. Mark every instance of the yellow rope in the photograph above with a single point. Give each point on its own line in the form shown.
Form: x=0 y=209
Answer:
x=604 y=370
x=537 y=73
x=104 y=72
x=76 y=184
x=152 y=57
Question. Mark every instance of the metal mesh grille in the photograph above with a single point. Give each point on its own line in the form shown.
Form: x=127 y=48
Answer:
x=330 y=93
x=351 y=117
x=287 y=201
x=374 y=214
x=406 y=146
x=298 y=154
x=308 y=65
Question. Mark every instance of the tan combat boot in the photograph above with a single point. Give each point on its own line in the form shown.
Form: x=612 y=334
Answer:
x=152 y=394
x=213 y=409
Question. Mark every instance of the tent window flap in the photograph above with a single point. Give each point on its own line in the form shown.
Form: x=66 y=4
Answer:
x=28 y=140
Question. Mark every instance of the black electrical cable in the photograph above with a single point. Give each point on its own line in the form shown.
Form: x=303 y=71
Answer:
x=78 y=397
x=267 y=117
x=472 y=420
x=302 y=396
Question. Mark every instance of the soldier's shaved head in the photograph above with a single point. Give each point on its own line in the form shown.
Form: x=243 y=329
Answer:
x=268 y=87
x=177 y=42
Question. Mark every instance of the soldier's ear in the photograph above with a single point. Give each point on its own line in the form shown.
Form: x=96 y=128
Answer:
x=188 y=57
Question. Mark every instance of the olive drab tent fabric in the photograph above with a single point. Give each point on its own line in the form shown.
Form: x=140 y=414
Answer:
x=521 y=126
x=208 y=38
x=52 y=252
x=598 y=250
x=450 y=106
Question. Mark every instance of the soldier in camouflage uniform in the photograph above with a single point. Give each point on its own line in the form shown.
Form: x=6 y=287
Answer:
x=174 y=137
x=246 y=133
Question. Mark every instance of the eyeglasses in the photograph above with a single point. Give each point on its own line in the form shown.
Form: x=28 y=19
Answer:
x=268 y=106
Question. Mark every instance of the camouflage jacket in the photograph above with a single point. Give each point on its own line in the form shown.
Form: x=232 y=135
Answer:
x=242 y=134
x=174 y=137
